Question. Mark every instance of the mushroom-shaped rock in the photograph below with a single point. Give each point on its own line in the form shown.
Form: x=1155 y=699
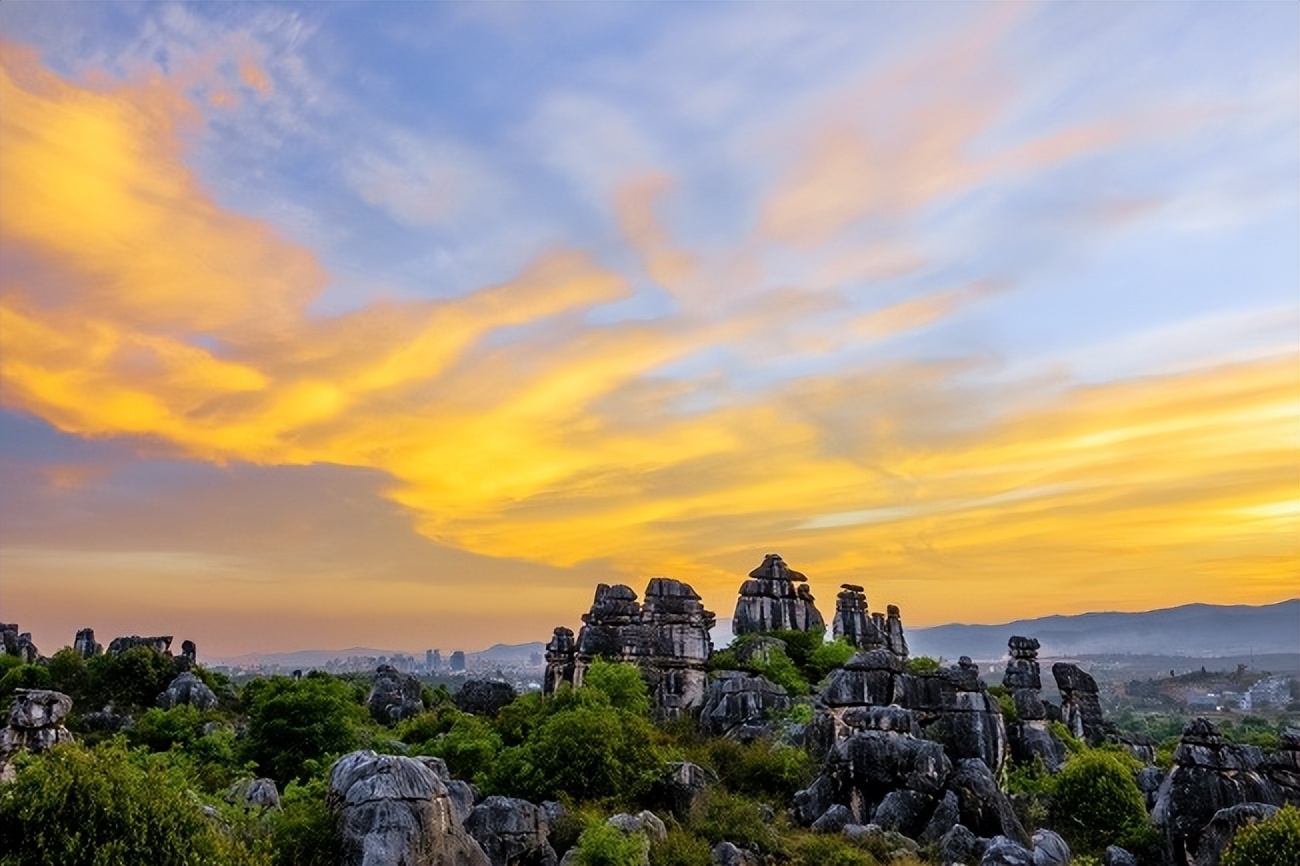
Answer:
x=390 y=810
x=187 y=689
x=39 y=708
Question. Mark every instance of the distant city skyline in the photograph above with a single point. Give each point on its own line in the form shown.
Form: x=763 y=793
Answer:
x=357 y=324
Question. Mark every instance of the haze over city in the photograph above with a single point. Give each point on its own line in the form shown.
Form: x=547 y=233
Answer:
x=403 y=325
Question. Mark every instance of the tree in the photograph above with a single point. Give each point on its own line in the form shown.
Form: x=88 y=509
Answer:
x=133 y=678
x=295 y=724
x=1097 y=803
x=75 y=806
x=621 y=683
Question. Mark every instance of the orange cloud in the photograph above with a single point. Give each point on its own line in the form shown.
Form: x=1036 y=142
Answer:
x=511 y=429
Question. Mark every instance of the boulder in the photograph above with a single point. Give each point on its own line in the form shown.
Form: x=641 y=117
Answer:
x=390 y=810
x=645 y=822
x=727 y=854
x=1117 y=856
x=904 y=811
x=1002 y=851
x=254 y=794
x=484 y=697
x=187 y=689
x=1050 y=849
x=960 y=845
x=684 y=785
x=1223 y=827
x=833 y=820
x=512 y=832
x=34 y=724
x=984 y=808
x=394 y=696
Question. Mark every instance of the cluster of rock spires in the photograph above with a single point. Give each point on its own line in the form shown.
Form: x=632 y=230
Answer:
x=775 y=597
x=667 y=637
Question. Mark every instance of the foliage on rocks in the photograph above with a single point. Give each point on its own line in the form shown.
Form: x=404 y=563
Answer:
x=1271 y=841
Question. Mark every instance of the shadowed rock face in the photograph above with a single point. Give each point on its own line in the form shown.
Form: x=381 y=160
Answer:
x=1080 y=706
x=484 y=697
x=736 y=700
x=18 y=643
x=775 y=597
x=1209 y=774
x=85 y=645
x=667 y=637
x=391 y=810
x=852 y=623
x=1031 y=736
x=393 y=696
x=512 y=832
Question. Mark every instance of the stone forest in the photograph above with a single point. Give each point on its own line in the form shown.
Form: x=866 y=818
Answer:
x=645 y=745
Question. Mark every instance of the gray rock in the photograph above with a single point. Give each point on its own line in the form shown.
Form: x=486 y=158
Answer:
x=1223 y=827
x=85 y=646
x=161 y=644
x=852 y=622
x=833 y=820
x=1117 y=856
x=1002 y=851
x=1080 y=706
x=187 y=689
x=254 y=794
x=512 y=832
x=645 y=822
x=108 y=720
x=770 y=601
x=394 y=696
x=945 y=816
x=484 y=697
x=1209 y=774
x=904 y=811
x=727 y=854
x=984 y=808
x=38 y=708
x=1050 y=849
x=390 y=810
x=685 y=783
x=960 y=845
x=736 y=699
x=560 y=653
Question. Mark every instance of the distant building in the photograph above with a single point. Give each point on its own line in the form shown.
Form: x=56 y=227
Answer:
x=457 y=662
x=1274 y=691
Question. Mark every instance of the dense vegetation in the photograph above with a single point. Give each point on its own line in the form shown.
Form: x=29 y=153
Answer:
x=156 y=791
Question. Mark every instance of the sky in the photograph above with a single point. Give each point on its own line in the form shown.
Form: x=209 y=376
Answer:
x=403 y=325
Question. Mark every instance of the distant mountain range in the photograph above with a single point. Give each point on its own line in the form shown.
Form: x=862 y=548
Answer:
x=1193 y=630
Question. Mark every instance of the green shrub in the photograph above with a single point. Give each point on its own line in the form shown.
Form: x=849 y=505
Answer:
x=603 y=845
x=470 y=747
x=763 y=769
x=1272 y=841
x=1097 y=803
x=133 y=679
x=812 y=849
x=1006 y=704
x=621 y=683
x=720 y=816
x=159 y=730
x=74 y=806
x=680 y=848
x=69 y=674
x=302 y=832
x=922 y=665
x=23 y=677
x=296 y=725
x=828 y=657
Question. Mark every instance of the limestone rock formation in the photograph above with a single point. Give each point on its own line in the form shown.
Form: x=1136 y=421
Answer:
x=1283 y=766
x=1223 y=827
x=35 y=724
x=512 y=832
x=684 y=786
x=667 y=637
x=187 y=689
x=9 y=638
x=484 y=697
x=84 y=645
x=775 y=597
x=189 y=656
x=1080 y=706
x=1209 y=774
x=1030 y=737
x=852 y=622
x=953 y=707
x=895 y=642
x=559 y=660
x=18 y=643
x=161 y=644
x=254 y=794
x=737 y=701
x=394 y=696
x=391 y=810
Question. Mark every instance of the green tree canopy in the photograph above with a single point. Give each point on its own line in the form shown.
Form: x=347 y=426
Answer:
x=294 y=723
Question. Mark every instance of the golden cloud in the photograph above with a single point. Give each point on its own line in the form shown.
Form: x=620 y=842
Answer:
x=133 y=305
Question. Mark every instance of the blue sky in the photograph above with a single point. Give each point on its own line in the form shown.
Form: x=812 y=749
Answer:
x=658 y=261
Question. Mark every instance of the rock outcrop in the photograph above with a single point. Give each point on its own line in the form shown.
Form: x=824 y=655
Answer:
x=187 y=689
x=1031 y=736
x=484 y=697
x=394 y=696
x=161 y=644
x=852 y=622
x=18 y=643
x=741 y=705
x=1209 y=774
x=391 y=810
x=775 y=597
x=512 y=832
x=1223 y=827
x=1080 y=706
x=667 y=637
x=85 y=645
x=35 y=724
x=1283 y=766
x=254 y=794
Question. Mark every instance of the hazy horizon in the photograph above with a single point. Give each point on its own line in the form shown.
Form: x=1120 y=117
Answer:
x=371 y=324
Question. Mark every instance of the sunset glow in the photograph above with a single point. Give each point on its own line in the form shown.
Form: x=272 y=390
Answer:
x=403 y=325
